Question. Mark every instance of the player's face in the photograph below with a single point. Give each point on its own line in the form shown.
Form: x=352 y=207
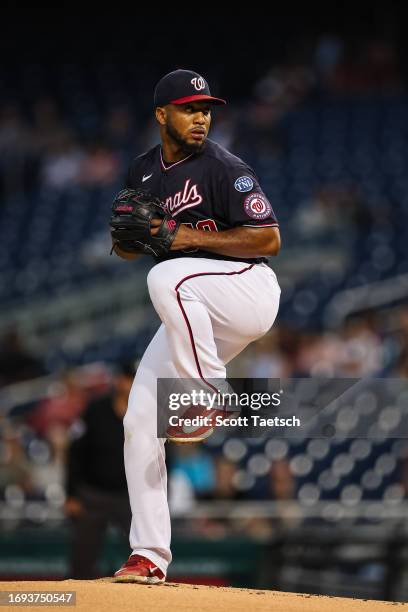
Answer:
x=188 y=124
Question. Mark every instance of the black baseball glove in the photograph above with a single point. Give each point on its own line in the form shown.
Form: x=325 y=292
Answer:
x=132 y=212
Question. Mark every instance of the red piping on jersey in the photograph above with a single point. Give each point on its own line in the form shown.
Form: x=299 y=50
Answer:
x=190 y=331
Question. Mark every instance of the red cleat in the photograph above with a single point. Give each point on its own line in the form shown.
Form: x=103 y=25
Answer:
x=139 y=569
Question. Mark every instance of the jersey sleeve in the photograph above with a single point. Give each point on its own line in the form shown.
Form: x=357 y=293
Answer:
x=244 y=202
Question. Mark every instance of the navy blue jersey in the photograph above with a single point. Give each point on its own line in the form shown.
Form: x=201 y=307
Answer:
x=211 y=190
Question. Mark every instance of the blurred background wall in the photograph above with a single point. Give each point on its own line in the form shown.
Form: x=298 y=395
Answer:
x=318 y=107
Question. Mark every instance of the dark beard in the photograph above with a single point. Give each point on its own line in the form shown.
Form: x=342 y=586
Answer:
x=185 y=147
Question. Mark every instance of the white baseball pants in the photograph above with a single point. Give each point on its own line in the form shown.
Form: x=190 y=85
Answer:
x=210 y=311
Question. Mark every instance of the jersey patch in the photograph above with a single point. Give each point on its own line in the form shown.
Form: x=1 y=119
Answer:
x=257 y=206
x=244 y=183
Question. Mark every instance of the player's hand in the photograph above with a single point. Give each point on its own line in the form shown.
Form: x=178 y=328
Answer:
x=184 y=238
x=154 y=226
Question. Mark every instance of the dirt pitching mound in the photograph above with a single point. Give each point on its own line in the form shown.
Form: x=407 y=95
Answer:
x=104 y=595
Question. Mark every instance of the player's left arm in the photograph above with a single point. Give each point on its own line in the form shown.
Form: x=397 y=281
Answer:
x=236 y=242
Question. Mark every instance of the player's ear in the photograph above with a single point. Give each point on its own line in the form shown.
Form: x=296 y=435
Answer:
x=161 y=115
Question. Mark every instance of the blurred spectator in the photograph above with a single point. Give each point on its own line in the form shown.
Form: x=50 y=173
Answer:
x=317 y=354
x=62 y=408
x=355 y=350
x=401 y=366
x=277 y=92
x=223 y=489
x=62 y=162
x=16 y=362
x=362 y=351
x=282 y=482
x=48 y=127
x=96 y=483
x=403 y=323
x=196 y=466
x=181 y=494
x=369 y=67
x=328 y=215
x=49 y=460
x=267 y=360
x=15 y=468
x=225 y=480
x=100 y=166
x=281 y=487
x=399 y=340
x=223 y=129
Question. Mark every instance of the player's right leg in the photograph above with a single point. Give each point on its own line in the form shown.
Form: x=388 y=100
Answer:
x=145 y=466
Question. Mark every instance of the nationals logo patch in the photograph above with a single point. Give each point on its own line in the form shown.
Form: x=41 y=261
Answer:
x=244 y=183
x=257 y=206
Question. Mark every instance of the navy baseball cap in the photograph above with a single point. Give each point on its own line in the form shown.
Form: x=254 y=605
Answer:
x=182 y=86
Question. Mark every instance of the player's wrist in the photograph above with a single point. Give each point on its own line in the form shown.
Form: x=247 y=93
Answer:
x=186 y=238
